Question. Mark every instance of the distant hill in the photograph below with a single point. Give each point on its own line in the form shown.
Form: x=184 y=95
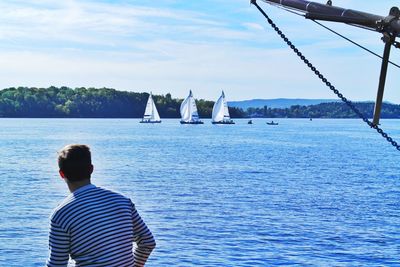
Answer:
x=278 y=103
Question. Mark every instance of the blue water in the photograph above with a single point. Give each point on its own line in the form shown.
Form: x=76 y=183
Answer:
x=303 y=193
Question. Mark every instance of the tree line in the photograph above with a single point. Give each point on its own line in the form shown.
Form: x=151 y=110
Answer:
x=65 y=102
x=326 y=110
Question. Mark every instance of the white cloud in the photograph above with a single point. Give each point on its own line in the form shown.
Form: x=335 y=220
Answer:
x=248 y=73
x=129 y=47
x=253 y=26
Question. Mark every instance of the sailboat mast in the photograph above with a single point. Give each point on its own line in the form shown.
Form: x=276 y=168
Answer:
x=190 y=106
x=152 y=106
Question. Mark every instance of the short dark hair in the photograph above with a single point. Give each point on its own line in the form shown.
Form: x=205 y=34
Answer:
x=75 y=162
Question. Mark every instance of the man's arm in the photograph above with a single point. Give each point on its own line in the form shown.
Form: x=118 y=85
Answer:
x=143 y=237
x=58 y=246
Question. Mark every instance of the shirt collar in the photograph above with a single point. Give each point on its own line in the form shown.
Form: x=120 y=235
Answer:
x=83 y=188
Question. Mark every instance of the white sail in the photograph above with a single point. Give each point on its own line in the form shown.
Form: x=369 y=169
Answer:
x=226 y=109
x=189 y=109
x=220 y=110
x=156 y=116
x=185 y=109
x=151 y=113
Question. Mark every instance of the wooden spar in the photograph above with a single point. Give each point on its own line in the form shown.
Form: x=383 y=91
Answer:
x=325 y=12
x=382 y=80
x=319 y=11
x=389 y=26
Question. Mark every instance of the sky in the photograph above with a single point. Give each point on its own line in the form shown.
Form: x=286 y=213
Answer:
x=171 y=46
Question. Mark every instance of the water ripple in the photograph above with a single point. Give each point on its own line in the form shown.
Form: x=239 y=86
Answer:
x=320 y=193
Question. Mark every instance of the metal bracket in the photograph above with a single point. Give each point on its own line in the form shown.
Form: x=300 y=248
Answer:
x=386 y=24
x=395 y=11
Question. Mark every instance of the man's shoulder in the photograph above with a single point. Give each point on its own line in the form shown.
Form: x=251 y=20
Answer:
x=62 y=207
x=95 y=193
x=113 y=193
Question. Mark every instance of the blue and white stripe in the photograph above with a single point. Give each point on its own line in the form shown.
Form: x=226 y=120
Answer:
x=97 y=227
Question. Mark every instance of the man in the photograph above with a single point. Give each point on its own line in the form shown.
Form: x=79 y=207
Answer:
x=94 y=226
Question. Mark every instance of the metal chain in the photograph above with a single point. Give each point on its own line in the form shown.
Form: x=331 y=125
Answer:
x=324 y=80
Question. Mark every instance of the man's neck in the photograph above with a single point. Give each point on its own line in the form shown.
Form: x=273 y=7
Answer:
x=77 y=184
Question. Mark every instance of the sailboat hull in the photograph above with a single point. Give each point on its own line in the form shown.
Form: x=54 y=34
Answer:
x=223 y=122
x=192 y=122
x=149 y=121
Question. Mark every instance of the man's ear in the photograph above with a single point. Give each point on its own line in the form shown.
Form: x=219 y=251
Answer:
x=61 y=174
x=91 y=168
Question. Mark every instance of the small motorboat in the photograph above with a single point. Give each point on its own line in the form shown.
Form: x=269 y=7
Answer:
x=250 y=122
x=272 y=123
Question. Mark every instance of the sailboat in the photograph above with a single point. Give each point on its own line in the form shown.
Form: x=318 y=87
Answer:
x=151 y=114
x=220 y=113
x=188 y=109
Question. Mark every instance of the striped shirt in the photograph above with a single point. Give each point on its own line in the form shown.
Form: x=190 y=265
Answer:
x=97 y=227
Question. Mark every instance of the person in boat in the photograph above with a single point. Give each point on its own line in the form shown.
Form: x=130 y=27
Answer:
x=94 y=226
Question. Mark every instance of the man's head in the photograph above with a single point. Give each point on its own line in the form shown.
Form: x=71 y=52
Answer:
x=75 y=163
